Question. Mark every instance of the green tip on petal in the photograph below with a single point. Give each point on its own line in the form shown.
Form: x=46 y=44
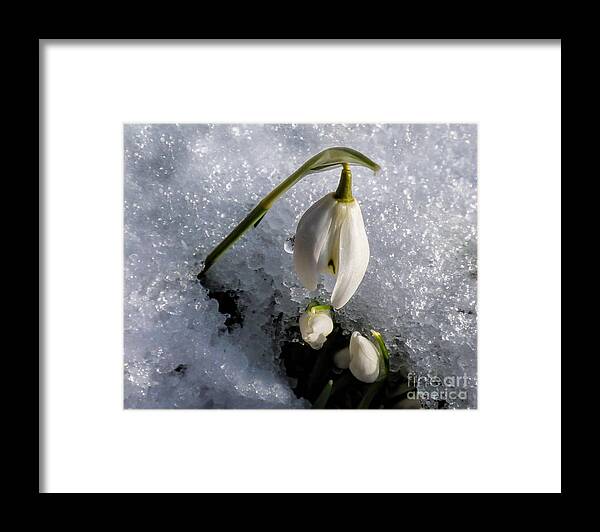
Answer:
x=320 y=308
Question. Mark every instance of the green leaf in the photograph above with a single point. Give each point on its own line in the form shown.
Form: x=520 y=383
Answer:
x=332 y=157
x=383 y=350
x=321 y=401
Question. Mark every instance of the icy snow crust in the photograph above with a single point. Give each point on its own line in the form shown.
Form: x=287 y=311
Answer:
x=187 y=186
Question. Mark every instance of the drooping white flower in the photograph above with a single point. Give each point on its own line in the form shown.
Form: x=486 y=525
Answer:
x=315 y=326
x=331 y=239
x=366 y=359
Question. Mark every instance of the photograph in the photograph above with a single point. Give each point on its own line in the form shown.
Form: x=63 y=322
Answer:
x=299 y=266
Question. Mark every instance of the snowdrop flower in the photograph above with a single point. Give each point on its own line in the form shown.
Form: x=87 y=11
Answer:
x=331 y=239
x=315 y=325
x=366 y=360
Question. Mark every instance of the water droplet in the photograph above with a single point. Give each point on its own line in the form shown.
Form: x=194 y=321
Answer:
x=289 y=244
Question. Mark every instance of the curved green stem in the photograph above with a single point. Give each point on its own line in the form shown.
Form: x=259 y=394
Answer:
x=324 y=160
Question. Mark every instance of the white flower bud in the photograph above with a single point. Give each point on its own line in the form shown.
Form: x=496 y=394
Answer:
x=315 y=326
x=342 y=358
x=365 y=359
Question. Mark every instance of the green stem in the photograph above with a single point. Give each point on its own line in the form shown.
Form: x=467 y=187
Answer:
x=369 y=395
x=321 y=401
x=344 y=189
x=324 y=160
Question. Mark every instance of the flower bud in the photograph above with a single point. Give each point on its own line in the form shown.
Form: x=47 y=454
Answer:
x=315 y=325
x=342 y=358
x=366 y=360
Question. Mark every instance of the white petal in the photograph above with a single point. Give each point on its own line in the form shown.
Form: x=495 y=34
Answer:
x=342 y=358
x=329 y=257
x=353 y=256
x=304 y=323
x=316 y=341
x=315 y=328
x=322 y=323
x=364 y=362
x=354 y=345
x=311 y=236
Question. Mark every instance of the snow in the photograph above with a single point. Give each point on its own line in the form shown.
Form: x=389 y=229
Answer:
x=187 y=186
